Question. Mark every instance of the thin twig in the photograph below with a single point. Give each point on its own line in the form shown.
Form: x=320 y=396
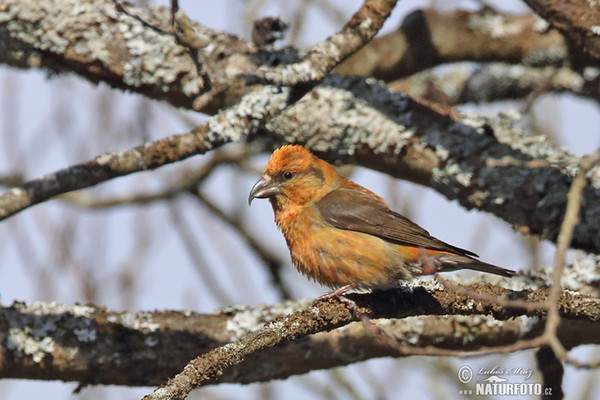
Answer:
x=205 y=271
x=564 y=239
x=321 y=59
x=174 y=9
x=233 y=124
x=383 y=337
x=141 y=20
x=272 y=261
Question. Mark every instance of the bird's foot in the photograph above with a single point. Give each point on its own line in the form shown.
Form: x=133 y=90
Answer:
x=339 y=294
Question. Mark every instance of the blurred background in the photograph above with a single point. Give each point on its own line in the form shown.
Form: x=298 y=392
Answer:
x=205 y=252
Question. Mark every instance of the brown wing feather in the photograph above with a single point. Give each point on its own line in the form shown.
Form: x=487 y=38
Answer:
x=358 y=210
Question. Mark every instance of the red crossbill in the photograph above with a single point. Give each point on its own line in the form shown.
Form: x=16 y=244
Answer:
x=343 y=235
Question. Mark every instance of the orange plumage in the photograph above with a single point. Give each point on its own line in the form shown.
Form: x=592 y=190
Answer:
x=342 y=234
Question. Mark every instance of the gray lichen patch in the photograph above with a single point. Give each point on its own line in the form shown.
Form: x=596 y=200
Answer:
x=245 y=117
x=581 y=274
x=40 y=308
x=22 y=343
x=139 y=321
x=252 y=319
x=497 y=25
x=47 y=332
x=344 y=121
x=103 y=44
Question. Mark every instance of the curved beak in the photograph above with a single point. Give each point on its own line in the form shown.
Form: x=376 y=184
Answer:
x=262 y=189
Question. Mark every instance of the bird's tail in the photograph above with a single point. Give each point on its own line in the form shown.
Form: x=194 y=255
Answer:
x=456 y=261
x=481 y=266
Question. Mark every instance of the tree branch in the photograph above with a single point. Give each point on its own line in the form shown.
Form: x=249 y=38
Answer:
x=484 y=163
x=497 y=82
x=318 y=62
x=578 y=20
x=428 y=38
x=236 y=122
x=93 y=345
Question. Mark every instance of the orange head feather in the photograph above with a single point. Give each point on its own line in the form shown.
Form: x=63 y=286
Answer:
x=291 y=157
x=294 y=176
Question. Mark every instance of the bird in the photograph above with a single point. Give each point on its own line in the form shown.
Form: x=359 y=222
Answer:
x=343 y=235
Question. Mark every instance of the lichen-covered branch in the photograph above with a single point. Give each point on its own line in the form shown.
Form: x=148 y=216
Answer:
x=96 y=41
x=496 y=82
x=578 y=20
x=231 y=125
x=237 y=122
x=92 y=345
x=391 y=133
x=483 y=163
x=428 y=38
x=320 y=59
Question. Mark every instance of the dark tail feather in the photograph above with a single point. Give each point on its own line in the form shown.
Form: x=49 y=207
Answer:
x=477 y=265
x=457 y=261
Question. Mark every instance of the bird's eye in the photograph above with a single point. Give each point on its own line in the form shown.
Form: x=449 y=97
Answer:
x=287 y=175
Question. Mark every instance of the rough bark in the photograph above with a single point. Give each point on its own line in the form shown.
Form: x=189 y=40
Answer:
x=427 y=38
x=92 y=345
x=578 y=20
x=485 y=164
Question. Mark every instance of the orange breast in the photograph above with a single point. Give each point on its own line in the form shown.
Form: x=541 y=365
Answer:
x=337 y=257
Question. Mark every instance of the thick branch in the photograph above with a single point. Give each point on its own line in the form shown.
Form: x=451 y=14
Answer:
x=95 y=346
x=119 y=50
x=237 y=122
x=497 y=82
x=578 y=20
x=483 y=163
x=101 y=44
x=428 y=38
x=366 y=124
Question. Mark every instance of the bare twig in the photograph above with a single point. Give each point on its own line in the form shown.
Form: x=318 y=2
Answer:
x=298 y=21
x=231 y=125
x=381 y=335
x=174 y=9
x=120 y=8
x=571 y=219
x=205 y=271
x=323 y=57
x=271 y=260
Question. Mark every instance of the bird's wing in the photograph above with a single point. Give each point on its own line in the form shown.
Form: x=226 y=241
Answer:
x=359 y=210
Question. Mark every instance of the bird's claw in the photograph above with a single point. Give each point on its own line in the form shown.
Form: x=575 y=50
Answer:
x=339 y=294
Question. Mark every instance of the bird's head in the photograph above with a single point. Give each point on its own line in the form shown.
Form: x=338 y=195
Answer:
x=293 y=174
